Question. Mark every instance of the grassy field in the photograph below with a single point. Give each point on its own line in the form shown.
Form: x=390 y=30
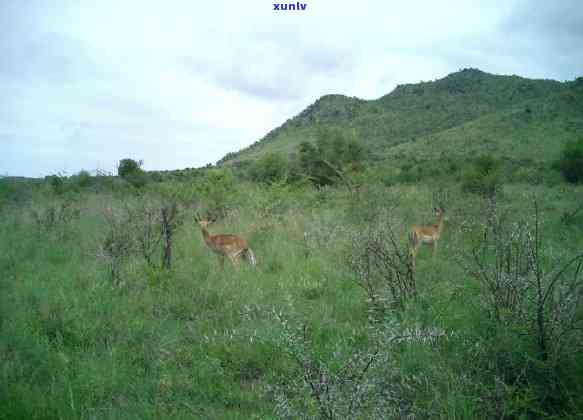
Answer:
x=295 y=337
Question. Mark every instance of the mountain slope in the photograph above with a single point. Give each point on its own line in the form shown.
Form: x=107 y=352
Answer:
x=446 y=106
x=534 y=129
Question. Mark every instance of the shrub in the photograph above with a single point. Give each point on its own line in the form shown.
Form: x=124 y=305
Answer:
x=14 y=192
x=56 y=183
x=408 y=176
x=336 y=153
x=354 y=384
x=534 y=302
x=271 y=167
x=475 y=183
x=382 y=265
x=56 y=218
x=127 y=167
x=570 y=164
x=132 y=172
x=84 y=179
x=217 y=190
x=138 y=179
x=483 y=178
x=117 y=243
x=486 y=165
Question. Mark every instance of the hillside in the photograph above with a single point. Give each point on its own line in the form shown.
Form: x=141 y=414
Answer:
x=470 y=102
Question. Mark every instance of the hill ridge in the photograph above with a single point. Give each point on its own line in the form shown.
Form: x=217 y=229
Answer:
x=410 y=110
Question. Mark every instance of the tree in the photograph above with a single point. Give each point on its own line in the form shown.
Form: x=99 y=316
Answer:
x=84 y=179
x=484 y=178
x=269 y=168
x=571 y=162
x=308 y=159
x=57 y=182
x=335 y=153
x=216 y=189
x=127 y=167
x=131 y=171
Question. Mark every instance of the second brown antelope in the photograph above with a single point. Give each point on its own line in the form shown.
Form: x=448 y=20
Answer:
x=428 y=235
x=230 y=246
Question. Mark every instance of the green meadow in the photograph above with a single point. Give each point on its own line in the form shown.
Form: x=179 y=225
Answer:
x=333 y=322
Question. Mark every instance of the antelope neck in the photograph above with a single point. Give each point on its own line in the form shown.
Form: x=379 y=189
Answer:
x=205 y=234
x=440 y=223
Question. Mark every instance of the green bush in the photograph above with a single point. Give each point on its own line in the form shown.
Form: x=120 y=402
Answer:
x=217 y=191
x=570 y=164
x=476 y=183
x=132 y=172
x=486 y=165
x=127 y=167
x=408 y=175
x=269 y=168
x=336 y=153
x=56 y=183
x=138 y=179
x=84 y=179
x=15 y=192
x=484 y=178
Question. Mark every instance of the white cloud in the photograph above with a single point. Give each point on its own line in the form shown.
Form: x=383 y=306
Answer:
x=181 y=83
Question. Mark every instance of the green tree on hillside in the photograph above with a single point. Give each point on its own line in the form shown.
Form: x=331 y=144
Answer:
x=127 y=167
x=132 y=172
x=484 y=178
x=217 y=191
x=308 y=158
x=269 y=168
x=335 y=153
x=571 y=161
x=56 y=182
x=84 y=179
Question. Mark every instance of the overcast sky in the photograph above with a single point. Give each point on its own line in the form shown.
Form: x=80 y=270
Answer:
x=179 y=84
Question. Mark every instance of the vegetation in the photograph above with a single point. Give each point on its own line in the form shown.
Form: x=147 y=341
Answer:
x=335 y=155
x=128 y=167
x=270 y=168
x=112 y=306
x=484 y=177
x=571 y=162
x=132 y=172
x=468 y=111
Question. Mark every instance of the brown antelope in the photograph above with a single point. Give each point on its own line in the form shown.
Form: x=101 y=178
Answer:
x=428 y=235
x=230 y=246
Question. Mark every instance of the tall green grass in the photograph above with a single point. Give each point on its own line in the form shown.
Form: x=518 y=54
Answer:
x=197 y=342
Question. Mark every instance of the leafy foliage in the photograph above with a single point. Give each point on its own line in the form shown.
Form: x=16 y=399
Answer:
x=84 y=179
x=382 y=265
x=571 y=162
x=269 y=168
x=484 y=178
x=335 y=153
x=217 y=190
x=132 y=171
x=56 y=183
x=127 y=167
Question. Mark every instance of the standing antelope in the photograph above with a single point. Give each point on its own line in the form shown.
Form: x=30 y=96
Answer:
x=426 y=234
x=230 y=246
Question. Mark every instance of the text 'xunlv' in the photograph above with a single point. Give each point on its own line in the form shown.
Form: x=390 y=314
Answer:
x=290 y=6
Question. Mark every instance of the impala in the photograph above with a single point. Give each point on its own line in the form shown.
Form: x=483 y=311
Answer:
x=230 y=246
x=428 y=235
